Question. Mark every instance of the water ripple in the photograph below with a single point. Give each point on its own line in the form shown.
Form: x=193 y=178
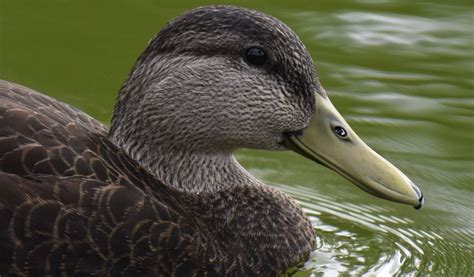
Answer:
x=377 y=29
x=371 y=242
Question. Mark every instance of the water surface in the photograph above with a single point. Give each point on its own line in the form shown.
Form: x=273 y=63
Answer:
x=399 y=71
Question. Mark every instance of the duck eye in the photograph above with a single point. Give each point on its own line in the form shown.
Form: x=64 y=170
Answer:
x=341 y=132
x=256 y=56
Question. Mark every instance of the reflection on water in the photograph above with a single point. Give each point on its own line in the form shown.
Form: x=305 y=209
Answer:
x=380 y=29
x=348 y=250
x=366 y=239
x=399 y=71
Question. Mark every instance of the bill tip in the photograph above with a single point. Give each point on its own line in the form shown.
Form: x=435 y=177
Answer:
x=421 y=202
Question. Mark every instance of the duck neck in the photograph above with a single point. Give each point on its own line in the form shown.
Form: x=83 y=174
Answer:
x=190 y=171
x=201 y=172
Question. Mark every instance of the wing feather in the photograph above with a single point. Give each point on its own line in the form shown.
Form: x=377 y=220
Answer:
x=71 y=202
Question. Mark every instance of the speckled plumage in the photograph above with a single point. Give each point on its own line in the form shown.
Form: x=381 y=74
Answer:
x=161 y=194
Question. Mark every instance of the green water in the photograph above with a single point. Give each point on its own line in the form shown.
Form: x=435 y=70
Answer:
x=401 y=72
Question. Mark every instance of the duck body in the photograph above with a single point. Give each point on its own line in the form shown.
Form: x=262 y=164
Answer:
x=160 y=192
x=74 y=203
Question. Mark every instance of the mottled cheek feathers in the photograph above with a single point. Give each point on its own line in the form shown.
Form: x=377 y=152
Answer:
x=237 y=73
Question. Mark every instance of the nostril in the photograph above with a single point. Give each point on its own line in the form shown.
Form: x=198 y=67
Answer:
x=341 y=132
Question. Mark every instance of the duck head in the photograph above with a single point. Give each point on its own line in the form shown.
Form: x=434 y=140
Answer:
x=220 y=78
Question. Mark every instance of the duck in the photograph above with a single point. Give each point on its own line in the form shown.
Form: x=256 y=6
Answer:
x=159 y=193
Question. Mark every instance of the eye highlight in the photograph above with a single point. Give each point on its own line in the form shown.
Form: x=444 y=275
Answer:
x=256 y=56
x=340 y=132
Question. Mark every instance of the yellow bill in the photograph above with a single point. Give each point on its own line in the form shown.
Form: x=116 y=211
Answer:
x=329 y=140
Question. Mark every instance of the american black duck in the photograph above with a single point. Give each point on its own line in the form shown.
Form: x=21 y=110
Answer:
x=159 y=193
